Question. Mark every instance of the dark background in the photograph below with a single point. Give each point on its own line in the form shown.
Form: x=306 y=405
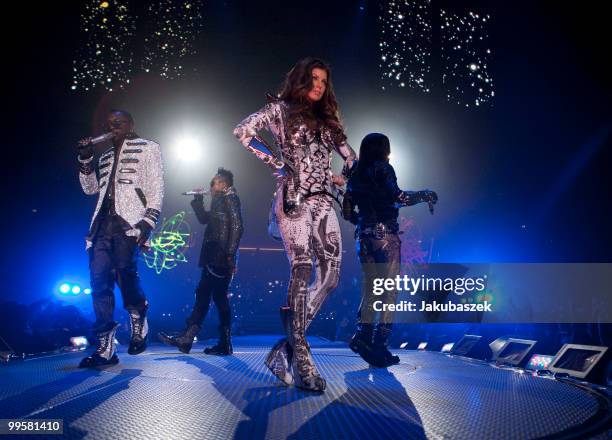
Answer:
x=524 y=180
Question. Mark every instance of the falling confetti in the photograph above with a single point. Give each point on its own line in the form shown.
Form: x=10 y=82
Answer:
x=105 y=57
x=466 y=57
x=174 y=28
x=405 y=46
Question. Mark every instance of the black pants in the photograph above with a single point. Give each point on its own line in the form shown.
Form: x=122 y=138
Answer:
x=113 y=258
x=215 y=287
x=379 y=259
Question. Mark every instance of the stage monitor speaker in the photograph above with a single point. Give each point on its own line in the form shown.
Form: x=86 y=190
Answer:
x=512 y=351
x=471 y=346
x=498 y=344
x=581 y=361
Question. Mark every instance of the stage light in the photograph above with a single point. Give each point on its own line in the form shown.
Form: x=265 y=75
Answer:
x=422 y=346
x=79 y=342
x=539 y=362
x=64 y=288
x=76 y=289
x=188 y=149
x=404 y=345
x=87 y=291
x=446 y=348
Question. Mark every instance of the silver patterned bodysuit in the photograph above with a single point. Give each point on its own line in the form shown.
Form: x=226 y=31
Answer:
x=311 y=233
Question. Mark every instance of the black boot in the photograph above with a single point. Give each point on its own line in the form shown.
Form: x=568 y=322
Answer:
x=361 y=342
x=106 y=353
x=224 y=346
x=382 y=356
x=280 y=357
x=184 y=341
x=140 y=330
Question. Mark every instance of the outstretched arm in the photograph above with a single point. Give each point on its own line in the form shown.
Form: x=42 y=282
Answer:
x=404 y=198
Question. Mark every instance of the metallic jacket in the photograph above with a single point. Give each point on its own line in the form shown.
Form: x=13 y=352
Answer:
x=307 y=151
x=223 y=232
x=139 y=183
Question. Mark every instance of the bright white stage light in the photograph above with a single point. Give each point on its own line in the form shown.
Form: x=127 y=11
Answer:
x=79 y=342
x=188 y=149
x=446 y=348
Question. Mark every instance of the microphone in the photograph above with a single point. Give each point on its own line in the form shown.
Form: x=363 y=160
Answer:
x=96 y=140
x=196 y=192
x=102 y=138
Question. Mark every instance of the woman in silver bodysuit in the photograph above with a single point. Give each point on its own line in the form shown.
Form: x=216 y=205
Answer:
x=305 y=125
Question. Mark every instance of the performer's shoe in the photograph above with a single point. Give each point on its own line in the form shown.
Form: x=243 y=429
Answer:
x=184 y=341
x=362 y=339
x=382 y=356
x=140 y=330
x=224 y=346
x=305 y=374
x=106 y=353
x=280 y=357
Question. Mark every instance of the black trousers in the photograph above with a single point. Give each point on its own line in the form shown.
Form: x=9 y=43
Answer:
x=112 y=258
x=380 y=258
x=215 y=287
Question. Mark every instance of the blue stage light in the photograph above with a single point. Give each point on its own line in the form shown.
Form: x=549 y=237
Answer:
x=64 y=288
x=87 y=291
x=76 y=289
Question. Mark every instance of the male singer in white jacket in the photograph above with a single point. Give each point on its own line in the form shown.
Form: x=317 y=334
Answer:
x=130 y=189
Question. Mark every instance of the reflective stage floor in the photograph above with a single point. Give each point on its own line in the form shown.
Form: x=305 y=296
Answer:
x=162 y=394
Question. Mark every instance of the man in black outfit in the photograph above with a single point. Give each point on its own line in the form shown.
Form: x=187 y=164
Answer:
x=218 y=263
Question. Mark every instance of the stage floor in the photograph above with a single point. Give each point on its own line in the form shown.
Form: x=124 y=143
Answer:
x=163 y=394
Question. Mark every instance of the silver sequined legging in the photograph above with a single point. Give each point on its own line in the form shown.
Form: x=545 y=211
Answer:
x=312 y=240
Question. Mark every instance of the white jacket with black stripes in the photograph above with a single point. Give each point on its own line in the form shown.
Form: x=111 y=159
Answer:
x=139 y=182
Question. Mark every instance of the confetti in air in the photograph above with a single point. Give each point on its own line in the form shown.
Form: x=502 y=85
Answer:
x=405 y=46
x=168 y=245
x=466 y=56
x=175 y=26
x=105 y=57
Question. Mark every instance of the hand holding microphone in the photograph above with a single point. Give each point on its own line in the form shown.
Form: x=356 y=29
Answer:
x=198 y=194
x=85 y=145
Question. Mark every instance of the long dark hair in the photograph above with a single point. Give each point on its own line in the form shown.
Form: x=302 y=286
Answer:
x=294 y=91
x=374 y=147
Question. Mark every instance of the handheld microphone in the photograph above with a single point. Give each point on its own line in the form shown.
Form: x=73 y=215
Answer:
x=96 y=140
x=196 y=192
x=102 y=138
